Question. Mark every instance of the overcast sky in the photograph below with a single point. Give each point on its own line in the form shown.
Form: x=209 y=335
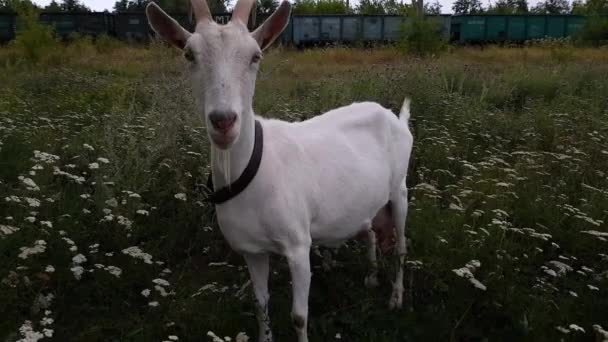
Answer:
x=100 y=5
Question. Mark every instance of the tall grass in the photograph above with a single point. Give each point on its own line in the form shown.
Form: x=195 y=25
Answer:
x=103 y=158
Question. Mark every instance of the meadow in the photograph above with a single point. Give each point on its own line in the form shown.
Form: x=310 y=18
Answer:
x=104 y=234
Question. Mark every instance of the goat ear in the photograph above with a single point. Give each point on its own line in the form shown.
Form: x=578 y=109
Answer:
x=166 y=27
x=273 y=26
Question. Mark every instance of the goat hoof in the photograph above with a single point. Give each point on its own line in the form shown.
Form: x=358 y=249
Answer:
x=396 y=301
x=371 y=281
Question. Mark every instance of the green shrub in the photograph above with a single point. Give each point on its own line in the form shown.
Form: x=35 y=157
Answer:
x=422 y=36
x=594 y=32
x=34 y=41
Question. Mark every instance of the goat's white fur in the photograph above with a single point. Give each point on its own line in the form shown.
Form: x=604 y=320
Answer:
x=321 y=181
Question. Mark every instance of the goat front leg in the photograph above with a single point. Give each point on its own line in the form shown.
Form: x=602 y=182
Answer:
x=258 y=265
x=299 y=266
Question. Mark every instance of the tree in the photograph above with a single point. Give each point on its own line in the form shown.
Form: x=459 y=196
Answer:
x=265 y=8
x=396 y=7
x=508 y=7
x=597 y=7
x=320 y=7
x=552 y=7
x=433 y=9
x=467 y=7
x=53 y=7
x=121 y=6
x=371 y=7
x=73 y=6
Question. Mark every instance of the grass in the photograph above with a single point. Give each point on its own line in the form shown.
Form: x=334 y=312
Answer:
x=509 y=169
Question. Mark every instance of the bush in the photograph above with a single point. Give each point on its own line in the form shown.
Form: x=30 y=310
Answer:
x=34 y=41
x=594 y=32
x=422 y=36
x=320 y=7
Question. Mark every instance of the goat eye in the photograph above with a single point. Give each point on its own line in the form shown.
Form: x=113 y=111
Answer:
x=189 y=55
x=256 y=58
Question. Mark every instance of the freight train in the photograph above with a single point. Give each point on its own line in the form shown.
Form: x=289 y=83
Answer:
x=323 y=29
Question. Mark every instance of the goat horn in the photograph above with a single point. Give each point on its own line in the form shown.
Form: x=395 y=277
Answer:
x=201 y=11
x=241 y=10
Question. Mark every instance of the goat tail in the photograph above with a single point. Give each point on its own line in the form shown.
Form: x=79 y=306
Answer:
x=404 y=115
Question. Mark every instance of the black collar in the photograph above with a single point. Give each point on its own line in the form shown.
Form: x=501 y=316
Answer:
x=228 y=192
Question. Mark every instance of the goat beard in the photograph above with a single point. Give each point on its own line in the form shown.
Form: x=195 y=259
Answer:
x=221 y=158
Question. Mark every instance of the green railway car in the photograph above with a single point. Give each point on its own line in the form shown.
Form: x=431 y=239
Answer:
x=513 y=28
x=91 y=24
x=7 y=27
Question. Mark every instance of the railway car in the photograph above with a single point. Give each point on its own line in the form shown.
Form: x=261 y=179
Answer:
x=315 y=29
x=7 y=27
x=305 y=30
x=512 y=28
x=91 y=24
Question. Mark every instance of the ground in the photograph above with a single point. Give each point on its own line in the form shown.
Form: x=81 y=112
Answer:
x=104 y=235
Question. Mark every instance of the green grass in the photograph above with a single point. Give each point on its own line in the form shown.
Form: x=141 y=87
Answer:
x=510 y=168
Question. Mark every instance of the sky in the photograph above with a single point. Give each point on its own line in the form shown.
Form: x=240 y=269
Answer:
x=100 y=5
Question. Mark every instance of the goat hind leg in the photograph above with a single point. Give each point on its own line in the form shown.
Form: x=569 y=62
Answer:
x=371 y=280
x=259 y=268
x=399 y=202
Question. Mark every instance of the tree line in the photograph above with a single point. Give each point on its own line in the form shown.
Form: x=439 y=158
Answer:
x=265 y=7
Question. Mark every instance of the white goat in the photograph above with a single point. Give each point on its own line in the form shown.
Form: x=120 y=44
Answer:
x=324 y=180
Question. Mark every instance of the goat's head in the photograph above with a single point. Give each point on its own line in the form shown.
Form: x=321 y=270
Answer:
x=224 y=61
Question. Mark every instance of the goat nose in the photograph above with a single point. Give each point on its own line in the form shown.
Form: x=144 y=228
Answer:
x=222 y=120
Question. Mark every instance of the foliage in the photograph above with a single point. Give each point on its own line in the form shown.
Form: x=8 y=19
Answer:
x=34 y=41
x=508 y=7
x=552 y=7
x=422 y=35
x=467 y=7
x=73 y=6
x=371 y=7
x=265 y=8
x=594 y=32
x=433 y=8
x=319 y=7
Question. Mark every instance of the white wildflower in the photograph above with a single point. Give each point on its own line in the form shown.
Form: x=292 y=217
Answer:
x=103 y=160
x=39 y=247
x=7 y=230
x=145 y=292
x=29 y=183
x=181 y=196
x=115 y=271
x=48 y=224
x=32 y=202
x=153 y=304
x=77 y=271
x=592 y=288
x=79 y=259
x=161 y=282
x=112 y=202
x=49 y=269
x=574 y=327
x=88 y=147
x=28 y=333
x=142 y=212
x=137 y=253
x=93 y=166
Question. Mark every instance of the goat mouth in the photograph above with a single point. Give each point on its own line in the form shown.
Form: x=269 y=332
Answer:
x=223 y=141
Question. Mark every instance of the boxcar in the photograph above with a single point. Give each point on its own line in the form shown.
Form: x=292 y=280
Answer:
x=313 y=29
x=7 y=27
x=513 y=28
x=92 y=24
